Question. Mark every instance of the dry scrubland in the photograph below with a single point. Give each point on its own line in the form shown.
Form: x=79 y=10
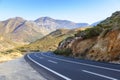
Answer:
x=9 y=56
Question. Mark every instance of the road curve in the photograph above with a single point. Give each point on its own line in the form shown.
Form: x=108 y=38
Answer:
x=54 y=67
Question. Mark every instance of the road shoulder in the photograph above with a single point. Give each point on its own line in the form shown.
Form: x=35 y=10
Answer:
x=18 y=69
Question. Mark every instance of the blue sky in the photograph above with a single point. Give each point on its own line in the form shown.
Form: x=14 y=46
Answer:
x=75 y=10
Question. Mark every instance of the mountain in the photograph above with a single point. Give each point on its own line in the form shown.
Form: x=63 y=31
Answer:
x=20 y=30
x=50 y=23
x=113 y=21
x=99 y=43
x=29 y=31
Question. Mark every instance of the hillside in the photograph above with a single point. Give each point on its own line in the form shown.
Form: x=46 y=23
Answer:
x=6 y=44
x=19 y=30
x=100 y=43
x=51 y=41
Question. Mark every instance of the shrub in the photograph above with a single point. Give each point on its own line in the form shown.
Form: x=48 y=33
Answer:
x=34 y=50
x=90 y=32
x=66 y=52
x=69 y=38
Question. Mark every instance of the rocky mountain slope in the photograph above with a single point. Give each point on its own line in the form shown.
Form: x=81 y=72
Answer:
x=51 y=24
x=100 y=43
x=19 y=30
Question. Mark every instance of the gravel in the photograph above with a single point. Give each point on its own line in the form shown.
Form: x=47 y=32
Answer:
x=18 y=69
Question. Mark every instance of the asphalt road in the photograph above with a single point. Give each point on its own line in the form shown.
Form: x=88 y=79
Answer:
x=54 y=67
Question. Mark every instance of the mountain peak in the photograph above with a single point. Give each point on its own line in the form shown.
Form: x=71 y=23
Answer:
x=16 y=19
x=46 y=17
x=43 y=19
x=112 y=21
x=117 y=13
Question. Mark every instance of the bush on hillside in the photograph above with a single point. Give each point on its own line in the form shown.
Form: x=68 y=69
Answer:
x=90 y=32
x=68 y=38
x=22 y=49
x=65 y=52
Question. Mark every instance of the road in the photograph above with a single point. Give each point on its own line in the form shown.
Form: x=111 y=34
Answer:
x=54 y=67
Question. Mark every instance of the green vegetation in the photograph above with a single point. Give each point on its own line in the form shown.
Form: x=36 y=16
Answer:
x=106 y=26
x=65 y=52
x=89 y=32
x=111 y=22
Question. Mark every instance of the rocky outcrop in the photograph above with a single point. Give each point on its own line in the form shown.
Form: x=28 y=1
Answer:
x=78 y=45
x=107 y=48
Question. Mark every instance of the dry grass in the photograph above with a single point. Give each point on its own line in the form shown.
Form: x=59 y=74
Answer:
x=6 y=57
x=49 y=42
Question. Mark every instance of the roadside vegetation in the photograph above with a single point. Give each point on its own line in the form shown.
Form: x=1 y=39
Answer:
x=65 y=52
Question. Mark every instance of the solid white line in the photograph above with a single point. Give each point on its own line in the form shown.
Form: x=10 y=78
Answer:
x=60 y=75
x=117 y=70
x=99 y=75
x=52 y=61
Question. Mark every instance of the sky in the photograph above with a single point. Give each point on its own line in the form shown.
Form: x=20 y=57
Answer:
x=88 y=11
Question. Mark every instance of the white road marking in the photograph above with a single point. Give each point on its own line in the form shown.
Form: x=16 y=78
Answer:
x=38 y=56
x=85 y=64
x=99 y=75
x=60 y=75
x=52 y=61
x=41 y=57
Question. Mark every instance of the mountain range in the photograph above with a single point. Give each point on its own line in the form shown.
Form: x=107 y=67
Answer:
x=23 y=31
